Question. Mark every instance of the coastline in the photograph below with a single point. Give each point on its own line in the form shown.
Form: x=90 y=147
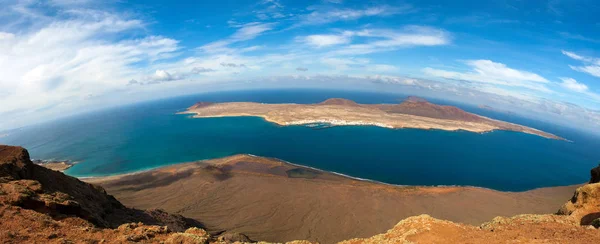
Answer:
x=278 y=206
x=412 y=113
x=118 y=176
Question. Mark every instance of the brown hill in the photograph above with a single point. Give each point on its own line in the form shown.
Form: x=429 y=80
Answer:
x=421 y=107
x=339 y=101
x=201 y=105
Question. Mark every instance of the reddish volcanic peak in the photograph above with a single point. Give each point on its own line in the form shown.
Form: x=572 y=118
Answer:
x=339 y=101
x=201 y=105
x=415 y=99
x=421 y=107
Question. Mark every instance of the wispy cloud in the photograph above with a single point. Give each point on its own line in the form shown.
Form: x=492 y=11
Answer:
x=573 y=85
x=590 y=66
x=378 y=40
x=233 y=65
x=487 y=71
x=321 y=15
x=63 y=60
x=245 y=32
x=325 y=40
x=479 y=20
x=577 y=37
x=198 y=70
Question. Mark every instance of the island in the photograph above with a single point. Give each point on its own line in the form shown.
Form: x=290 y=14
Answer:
x=414 y=112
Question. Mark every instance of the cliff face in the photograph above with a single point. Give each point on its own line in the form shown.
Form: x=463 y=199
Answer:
x=584 y=206
x=39 y=205
x=31 y=186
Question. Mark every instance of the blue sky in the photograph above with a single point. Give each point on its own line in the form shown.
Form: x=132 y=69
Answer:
x=539 y=58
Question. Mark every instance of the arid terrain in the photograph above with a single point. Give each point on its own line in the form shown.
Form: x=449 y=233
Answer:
x=38 y=205
x=412 y=113
x=271 y=200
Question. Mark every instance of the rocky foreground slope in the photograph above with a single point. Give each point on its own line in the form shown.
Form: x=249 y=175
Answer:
x=38 y=205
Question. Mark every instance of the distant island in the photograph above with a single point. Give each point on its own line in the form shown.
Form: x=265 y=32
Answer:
x=413 y=112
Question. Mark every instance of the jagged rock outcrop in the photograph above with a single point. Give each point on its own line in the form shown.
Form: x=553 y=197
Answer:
x=595 y=175
x=34 y=187
x=584 y=206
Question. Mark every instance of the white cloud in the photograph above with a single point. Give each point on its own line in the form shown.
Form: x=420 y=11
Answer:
x=386 y=79
x=379 y=40
x=342 y=64
x=61 y=61
x=501 y=71
x=251 y=31
x=573 y=85
x=245 y=32
x=198 y=70
x=326 y=40
x=487 y=71
x=591 y=65
x=324 y=16
x=162 y=76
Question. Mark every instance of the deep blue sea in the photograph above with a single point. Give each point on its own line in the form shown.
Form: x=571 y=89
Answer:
x=148 y=135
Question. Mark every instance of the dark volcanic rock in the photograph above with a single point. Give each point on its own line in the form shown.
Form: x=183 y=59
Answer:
x=595 y=175
x=233 y=237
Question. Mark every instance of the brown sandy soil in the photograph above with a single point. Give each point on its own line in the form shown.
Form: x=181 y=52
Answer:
x=412 y=113
x=576 y=222
x=268 y=199
x=518 y=229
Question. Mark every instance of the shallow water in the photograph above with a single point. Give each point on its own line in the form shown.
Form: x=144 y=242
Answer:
x=149 y=135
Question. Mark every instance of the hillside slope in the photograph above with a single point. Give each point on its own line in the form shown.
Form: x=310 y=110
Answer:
x=38 y=205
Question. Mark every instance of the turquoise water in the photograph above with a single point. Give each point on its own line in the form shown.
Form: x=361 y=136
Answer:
x=149 y=135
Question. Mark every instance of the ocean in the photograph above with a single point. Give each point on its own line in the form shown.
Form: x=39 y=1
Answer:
x=148 y=135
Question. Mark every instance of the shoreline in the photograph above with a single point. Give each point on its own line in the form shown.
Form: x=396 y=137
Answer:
x=118 y=176
x=281 y=201
x=413 y=113
x=335 y=123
